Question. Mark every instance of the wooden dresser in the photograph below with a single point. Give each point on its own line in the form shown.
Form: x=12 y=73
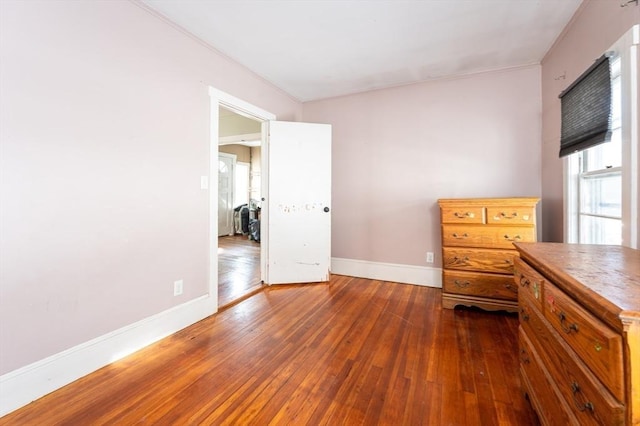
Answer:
x=580 y=332
x=478 y=251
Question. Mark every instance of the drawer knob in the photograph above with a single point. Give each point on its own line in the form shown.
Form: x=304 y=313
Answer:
x=515 y=238
x=536 y=290
x=575 y=389
x=461 y=284
x=463 y=215
x=567 y=328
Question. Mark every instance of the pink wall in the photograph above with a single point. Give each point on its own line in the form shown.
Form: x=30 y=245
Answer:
x=396 y=151
x=595 y=27
x=104 y=120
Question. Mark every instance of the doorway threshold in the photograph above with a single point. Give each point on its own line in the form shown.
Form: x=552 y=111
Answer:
x=251 y=291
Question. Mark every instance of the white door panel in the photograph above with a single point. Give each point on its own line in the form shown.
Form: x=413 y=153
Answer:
x=298 y=199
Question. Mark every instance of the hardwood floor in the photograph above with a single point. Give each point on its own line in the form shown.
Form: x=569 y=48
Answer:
x=353 y=351
x=238 y=268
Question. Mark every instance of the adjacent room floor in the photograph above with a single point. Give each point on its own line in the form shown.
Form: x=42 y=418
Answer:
x=354 y=351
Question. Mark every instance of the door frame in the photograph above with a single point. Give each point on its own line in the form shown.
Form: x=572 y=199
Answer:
x=219 y=98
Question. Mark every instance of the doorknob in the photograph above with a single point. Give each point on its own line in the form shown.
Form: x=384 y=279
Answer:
x=326 y=209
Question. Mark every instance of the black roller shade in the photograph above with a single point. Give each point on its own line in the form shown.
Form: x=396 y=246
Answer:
x=586 y=109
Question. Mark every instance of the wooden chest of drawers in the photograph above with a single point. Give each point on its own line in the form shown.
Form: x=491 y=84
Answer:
x=478 y=252
x=579 y=308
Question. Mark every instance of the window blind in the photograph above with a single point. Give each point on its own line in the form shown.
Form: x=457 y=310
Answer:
x=586 y=109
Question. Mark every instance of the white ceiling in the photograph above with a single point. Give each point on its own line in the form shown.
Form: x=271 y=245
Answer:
x=314 y=49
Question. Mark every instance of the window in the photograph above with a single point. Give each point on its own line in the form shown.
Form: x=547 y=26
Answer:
x=242 y=183
x=601 y=197
x=597 y=175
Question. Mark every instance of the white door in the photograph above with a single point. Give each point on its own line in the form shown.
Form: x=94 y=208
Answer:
x=297 y=241
x=226 y=173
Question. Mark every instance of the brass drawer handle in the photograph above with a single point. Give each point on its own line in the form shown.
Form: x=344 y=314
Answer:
x=524 y=315
x=524 y=281
x=461 y=284
x=460 y=259
x=464 y=215
x=516 y=238
x=575 y=389
x=511 y=288
x=567 y=329
x=455 y=235
x=511 y=216
x=524 y=357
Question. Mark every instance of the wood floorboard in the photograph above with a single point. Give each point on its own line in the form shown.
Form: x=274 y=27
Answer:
x=354 y=351
x=238 y=268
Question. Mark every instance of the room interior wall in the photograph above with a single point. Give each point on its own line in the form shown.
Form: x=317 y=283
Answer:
x=595 y=27
x=396 y=151
x=104 y=122
x=242 y=152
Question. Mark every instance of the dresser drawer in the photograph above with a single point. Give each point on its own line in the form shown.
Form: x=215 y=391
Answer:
x=480 y=260
x=501 y=237
x=551 y=407
x=462 y=214
x=531 y=319
x=598 y=346
x=511 y=215
x=592 y=404
x=590 y=401
x=482 y=285
x=529 y=282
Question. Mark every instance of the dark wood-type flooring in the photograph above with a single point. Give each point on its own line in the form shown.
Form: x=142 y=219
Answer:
x=354 y=351
x=238 y=268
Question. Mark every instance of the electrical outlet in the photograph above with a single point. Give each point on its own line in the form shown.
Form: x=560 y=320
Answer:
x=177 y=287
x=429 y=257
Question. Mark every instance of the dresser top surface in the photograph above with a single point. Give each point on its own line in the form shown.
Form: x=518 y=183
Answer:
x=604 y=278
x=512 y=201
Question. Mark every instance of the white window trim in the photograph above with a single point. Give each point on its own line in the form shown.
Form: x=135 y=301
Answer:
x=627 y=48
x=630 y=149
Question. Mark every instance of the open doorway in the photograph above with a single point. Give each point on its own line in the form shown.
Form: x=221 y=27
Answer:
x=244 y=109
x=239 y=206
x=295 y=235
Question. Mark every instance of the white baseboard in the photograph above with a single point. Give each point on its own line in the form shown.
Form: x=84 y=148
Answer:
x=26 y=384
x=407 y=274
